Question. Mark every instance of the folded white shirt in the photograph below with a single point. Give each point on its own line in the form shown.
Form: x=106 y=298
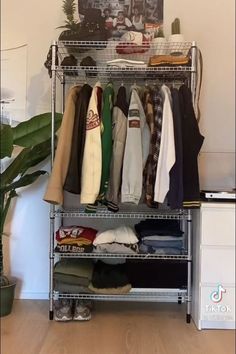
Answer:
x=124 y=63
x=122 y=234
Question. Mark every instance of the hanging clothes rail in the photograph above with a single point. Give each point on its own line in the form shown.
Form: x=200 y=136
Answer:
x=111 y=66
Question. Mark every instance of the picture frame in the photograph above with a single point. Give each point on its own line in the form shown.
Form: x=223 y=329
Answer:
x=120 y=16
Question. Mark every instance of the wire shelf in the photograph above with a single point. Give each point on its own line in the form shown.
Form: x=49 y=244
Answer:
x=181 y=257
x=103 y=51
x=106 y=214
x=145 y=295
x=105 y=74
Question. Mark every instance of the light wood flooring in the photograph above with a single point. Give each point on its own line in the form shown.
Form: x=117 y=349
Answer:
x=116 y=328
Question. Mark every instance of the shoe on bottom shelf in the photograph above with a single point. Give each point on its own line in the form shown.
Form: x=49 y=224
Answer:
x=63 y=310
x=82 y=311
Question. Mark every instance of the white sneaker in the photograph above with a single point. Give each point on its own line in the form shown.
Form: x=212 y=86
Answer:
x=63 y=310
x=82 y=311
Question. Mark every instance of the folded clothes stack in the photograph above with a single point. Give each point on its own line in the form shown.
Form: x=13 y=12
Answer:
x=109 y=279
x=157 y=60
x=73 y=275
x=133 y=42
x=119 y=240
x=126 y=63
x=75 y=239
x=160 y=237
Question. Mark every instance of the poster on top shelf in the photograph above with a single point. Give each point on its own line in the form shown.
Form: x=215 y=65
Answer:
x=121 y=16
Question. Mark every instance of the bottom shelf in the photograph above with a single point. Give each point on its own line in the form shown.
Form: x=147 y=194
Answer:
x=136 y=294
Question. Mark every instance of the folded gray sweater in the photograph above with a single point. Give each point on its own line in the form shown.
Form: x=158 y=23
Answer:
x=74 y=271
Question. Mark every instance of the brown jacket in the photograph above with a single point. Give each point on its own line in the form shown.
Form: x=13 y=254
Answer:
x=54 y=191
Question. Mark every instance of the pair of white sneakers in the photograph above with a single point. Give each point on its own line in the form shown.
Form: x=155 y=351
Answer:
x=67 y=310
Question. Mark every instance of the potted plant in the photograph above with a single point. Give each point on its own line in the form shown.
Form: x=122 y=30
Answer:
x=159 y=42
x=71 y=25
x=175 y=38
x=32 y=137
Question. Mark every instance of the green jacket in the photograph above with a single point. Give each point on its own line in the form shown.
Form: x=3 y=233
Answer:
x=106 y=137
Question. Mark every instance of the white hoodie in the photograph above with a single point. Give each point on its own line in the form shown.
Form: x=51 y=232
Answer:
x=136 y=151
x=167 y=149
x=92 y=160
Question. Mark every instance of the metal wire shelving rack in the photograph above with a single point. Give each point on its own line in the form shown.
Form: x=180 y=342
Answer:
x=103 y=52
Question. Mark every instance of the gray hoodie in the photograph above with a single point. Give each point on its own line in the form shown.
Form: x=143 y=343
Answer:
x=136 y=151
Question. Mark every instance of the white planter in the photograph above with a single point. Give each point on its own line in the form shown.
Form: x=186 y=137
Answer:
x=159 y=46
x=174 y=44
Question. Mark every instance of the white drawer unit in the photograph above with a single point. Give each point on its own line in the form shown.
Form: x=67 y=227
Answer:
x=217 y=224
x=218 y=265
x=217 y=307
x=213 y=303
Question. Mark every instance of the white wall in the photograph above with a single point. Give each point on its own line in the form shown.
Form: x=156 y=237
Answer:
x=211 y=23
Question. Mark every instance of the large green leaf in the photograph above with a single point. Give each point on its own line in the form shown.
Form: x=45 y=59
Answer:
x=35 y=130
x=13 y=170
x=27 y=158
x=23 y=181
x=6 y=140
x=36 y=155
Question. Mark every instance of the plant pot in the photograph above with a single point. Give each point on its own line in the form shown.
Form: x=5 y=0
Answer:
x=159 y=46
x=6 y=298
x=174 y=46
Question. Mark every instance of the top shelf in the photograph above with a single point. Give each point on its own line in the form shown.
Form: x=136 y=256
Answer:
x=103 y=51
x=93 y=60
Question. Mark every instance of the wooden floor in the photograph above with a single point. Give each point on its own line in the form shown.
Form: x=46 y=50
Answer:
x=116 y=328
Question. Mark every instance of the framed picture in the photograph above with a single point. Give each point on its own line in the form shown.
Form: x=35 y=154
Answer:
x=121 y=16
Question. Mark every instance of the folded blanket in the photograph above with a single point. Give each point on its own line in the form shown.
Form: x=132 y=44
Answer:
x=111 y=291
x=168 y=60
